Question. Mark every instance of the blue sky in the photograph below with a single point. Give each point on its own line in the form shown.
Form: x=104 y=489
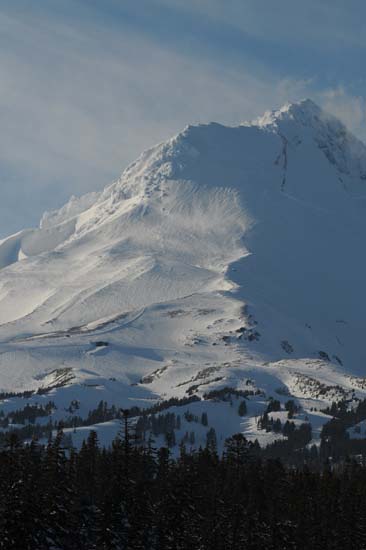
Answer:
x=86 y=85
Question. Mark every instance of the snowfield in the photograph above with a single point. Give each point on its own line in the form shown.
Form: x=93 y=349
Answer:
x=224 y=257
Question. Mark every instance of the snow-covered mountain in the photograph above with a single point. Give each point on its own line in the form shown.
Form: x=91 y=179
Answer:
x=224 y=257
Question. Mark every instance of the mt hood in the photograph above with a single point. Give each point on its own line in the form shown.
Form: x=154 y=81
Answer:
x=226 y=257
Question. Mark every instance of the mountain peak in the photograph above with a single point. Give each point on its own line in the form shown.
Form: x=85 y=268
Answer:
x=340 y=146
x=306 y=112
x=223 y=257
x=304 y=106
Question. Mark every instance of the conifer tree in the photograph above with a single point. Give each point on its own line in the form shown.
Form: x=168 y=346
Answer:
x=242 y=410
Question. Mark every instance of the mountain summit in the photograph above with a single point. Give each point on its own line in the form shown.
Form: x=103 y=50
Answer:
x=223 y=257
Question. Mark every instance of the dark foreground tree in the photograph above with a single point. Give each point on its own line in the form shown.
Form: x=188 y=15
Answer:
x=133 y=497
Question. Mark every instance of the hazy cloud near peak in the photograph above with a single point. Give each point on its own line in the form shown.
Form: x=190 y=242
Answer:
x=351 y=109
x=80 y=99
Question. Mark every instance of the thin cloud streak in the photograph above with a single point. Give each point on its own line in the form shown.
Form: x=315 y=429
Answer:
x=330 y=24
x=80 y=100
x=75 y=111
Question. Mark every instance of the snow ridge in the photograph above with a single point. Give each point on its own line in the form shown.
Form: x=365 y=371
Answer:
x=339 y=145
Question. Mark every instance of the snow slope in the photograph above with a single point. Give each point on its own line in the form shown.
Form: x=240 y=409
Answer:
x=222 y=256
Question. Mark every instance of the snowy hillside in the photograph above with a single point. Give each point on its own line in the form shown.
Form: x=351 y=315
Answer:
x=224 y=257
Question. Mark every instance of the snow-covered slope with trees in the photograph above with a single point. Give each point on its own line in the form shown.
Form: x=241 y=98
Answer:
x=224 y=257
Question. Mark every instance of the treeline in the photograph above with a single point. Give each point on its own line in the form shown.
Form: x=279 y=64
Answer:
x=335 y=435
x=148 y=426
x=336 y=446
x=135 y=497
x=29 y=413
x=102 y=413
x=292 y=449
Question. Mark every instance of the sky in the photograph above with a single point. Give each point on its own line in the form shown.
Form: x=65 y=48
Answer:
x=87 y=85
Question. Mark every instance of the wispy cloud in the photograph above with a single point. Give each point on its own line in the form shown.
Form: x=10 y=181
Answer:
x=330 y=24
x=351 y=109
x=80 y=99
x=78 y=104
